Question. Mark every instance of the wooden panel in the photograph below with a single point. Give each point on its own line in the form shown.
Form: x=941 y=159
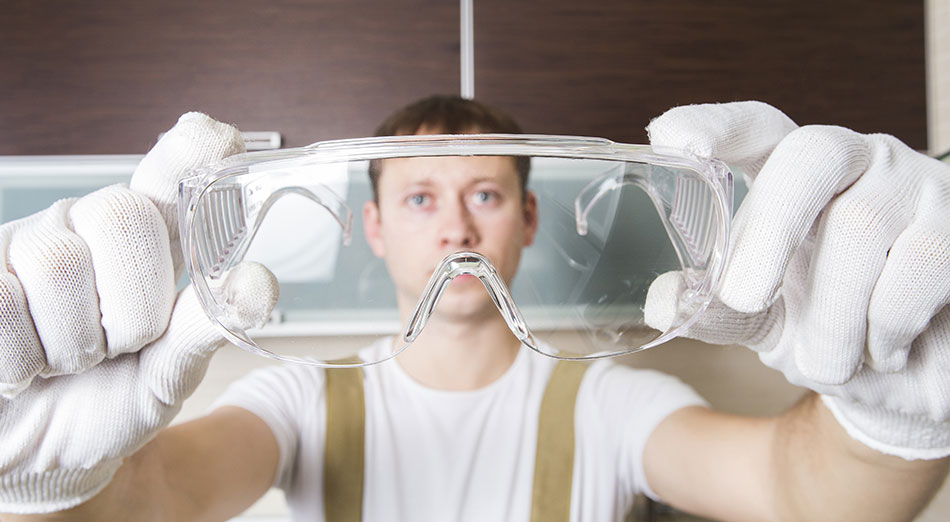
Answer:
x=108 y=76
x=605 y=68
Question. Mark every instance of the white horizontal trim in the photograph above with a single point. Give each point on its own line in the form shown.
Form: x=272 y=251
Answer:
x=69 y=165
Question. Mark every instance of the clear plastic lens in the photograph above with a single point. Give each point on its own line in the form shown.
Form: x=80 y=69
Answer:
x=610 y=220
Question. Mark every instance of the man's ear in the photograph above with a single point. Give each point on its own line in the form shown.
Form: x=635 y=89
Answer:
x=372 y=228
x=530 y=218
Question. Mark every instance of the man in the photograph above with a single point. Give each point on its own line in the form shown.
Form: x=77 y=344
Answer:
x=451 y=422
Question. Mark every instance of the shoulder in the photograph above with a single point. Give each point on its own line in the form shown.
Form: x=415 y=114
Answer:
x=617 y=409
x=287 y=384
x=606 y=377
x=284 y=383
x=632 y=398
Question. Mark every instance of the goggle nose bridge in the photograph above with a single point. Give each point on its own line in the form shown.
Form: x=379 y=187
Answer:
x=468 y=263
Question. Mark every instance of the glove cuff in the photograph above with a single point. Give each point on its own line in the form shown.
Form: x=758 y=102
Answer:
x=56 y=490
x=911 y=437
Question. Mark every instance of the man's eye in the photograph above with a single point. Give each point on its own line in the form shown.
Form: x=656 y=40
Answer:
x=418 y=200
x=485 y=196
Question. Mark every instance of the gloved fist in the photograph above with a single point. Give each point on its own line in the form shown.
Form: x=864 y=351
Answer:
x=839 y=268
x=96 y=352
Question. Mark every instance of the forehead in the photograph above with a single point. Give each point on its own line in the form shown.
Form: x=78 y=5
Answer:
x=447 y=170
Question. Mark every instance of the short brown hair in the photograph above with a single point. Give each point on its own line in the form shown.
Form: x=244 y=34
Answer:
x=447 y=114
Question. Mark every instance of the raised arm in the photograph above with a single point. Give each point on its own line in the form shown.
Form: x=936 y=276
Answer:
x=839 y=277
x=799 y=466
x=208 y=469
x=97 y=353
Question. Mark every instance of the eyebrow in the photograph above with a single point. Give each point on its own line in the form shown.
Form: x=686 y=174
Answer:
x=429 y=180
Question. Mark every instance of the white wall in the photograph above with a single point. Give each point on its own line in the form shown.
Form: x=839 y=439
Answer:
x=938 y=75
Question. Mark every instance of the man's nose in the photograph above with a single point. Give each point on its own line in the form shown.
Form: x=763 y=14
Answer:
x=458 y=228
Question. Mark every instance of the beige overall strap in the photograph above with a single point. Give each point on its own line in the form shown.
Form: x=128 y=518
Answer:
x=343 y=455
x=554 y=461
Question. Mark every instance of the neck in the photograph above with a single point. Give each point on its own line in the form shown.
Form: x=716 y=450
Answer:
x=460 y=354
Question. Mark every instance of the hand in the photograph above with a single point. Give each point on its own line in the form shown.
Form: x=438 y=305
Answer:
x=838 y=271
x=96 y=352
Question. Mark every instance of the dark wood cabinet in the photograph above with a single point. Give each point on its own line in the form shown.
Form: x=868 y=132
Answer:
x=107 y=76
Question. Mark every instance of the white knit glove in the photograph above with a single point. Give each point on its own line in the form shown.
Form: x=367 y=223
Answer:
x=839 y=268
x=96 y=353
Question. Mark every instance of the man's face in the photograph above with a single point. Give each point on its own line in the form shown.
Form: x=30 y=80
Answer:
x=431 y=207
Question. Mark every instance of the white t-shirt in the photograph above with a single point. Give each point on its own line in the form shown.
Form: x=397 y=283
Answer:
x=465 y=455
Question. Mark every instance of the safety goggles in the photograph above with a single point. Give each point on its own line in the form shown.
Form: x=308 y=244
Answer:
x=567 y=260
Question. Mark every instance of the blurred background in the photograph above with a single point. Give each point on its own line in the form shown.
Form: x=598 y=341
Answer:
x=86 y=88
